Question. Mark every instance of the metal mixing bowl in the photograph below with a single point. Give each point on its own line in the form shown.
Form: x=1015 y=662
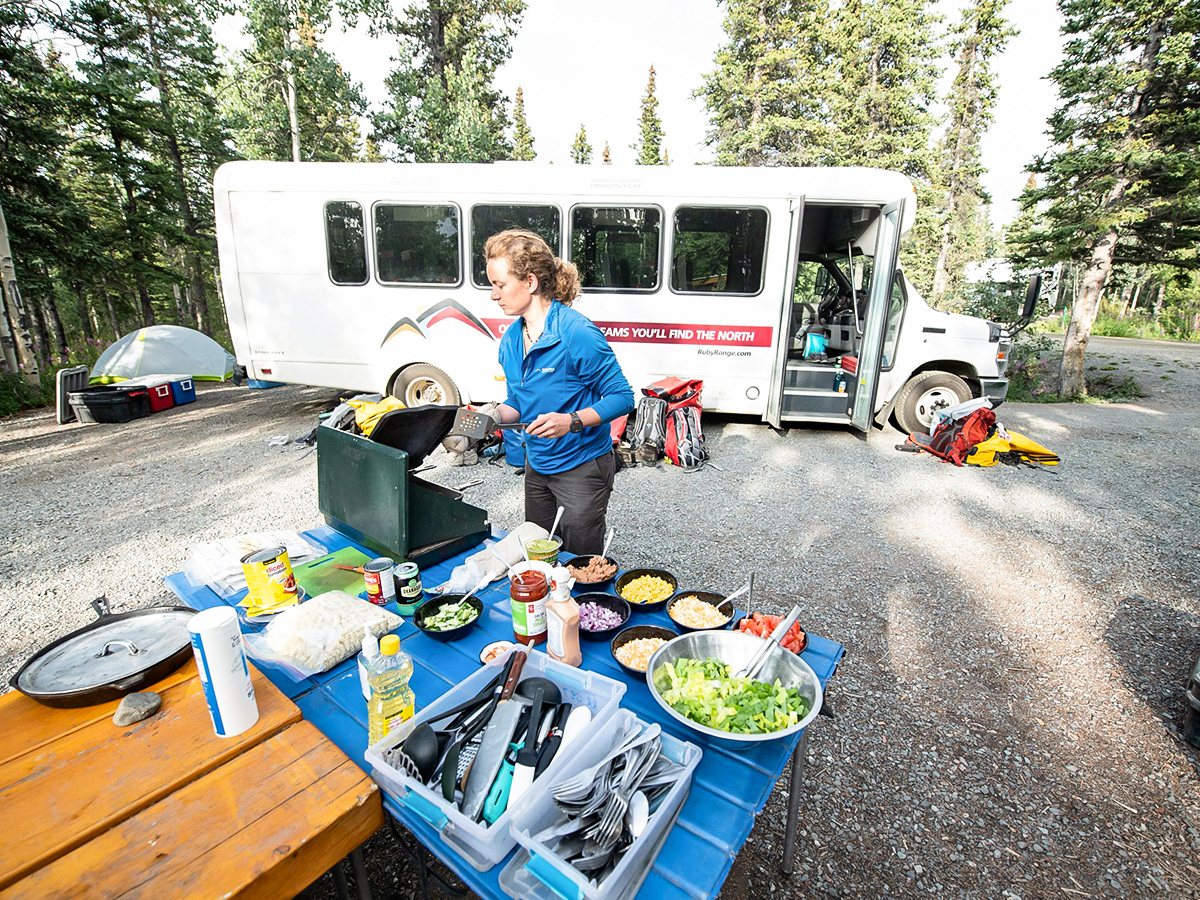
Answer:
x=736 y=648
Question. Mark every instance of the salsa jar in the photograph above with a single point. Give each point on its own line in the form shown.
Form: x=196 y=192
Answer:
x=529 y=591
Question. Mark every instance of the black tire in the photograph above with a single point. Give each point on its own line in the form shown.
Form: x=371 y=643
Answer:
x=424 y=385
x=924 y=394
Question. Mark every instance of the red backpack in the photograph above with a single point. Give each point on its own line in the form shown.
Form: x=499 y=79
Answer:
x=954 y=438
x=684 y=443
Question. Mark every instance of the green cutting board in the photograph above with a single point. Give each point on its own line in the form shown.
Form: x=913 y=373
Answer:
x=319 y=575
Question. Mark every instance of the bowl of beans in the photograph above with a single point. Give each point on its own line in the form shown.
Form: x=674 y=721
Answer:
x=632 y=647
x=646 y=590
x=697 y=611
x=592 y=573
x=600 y=615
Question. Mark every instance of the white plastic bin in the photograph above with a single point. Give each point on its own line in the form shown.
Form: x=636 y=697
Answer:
x=537 y=873
x=483 y=846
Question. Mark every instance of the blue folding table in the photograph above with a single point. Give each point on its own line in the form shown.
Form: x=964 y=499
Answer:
x=730 y=786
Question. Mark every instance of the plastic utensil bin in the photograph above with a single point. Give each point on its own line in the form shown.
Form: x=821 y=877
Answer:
x=109 y=407
x=538 y=873
x=480 y=845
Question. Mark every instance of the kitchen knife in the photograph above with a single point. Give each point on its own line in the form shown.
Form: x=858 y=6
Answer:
x=510 y=675
x=553 y=740
x=495 y=743
x=527 y=758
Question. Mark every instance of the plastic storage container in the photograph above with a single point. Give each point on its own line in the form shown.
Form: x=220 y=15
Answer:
x=108 y=406
x=183 y=390
x=480 y=845
x=537 y=873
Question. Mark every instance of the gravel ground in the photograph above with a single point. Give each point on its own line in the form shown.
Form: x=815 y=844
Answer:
x=1010 y=706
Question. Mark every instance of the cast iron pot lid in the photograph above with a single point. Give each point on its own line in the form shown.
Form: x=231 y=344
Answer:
x=108 y=651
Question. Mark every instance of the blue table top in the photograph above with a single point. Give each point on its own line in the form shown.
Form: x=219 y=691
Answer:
x=729 y=788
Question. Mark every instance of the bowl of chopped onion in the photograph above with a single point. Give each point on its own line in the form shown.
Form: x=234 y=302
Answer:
x=646 y=590
x=601 y=615
x=633 y=646
x=697 y=611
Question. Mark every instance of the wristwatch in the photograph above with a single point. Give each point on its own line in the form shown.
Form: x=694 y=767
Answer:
x=576 y=423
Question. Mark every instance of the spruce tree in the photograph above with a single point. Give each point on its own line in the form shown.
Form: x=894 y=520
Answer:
x=648 y=148
x=1121 y=182
x=975 y=42
x=768 y=98
x=444 y=105
x=581 y=150
x=522 y=136
x=287 y=97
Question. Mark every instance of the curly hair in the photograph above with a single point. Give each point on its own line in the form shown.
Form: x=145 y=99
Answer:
x=527 y=254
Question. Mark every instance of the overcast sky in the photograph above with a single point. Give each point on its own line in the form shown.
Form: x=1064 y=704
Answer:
x=581 y=62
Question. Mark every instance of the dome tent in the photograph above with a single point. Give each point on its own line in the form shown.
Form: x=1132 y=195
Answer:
x=163 y=350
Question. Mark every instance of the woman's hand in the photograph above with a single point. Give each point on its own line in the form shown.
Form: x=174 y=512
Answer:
x=550 y=425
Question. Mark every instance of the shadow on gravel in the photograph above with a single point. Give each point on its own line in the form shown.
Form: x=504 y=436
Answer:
x=1156 y=645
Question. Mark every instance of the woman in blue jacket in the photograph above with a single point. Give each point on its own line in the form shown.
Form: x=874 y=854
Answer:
x=564 y=379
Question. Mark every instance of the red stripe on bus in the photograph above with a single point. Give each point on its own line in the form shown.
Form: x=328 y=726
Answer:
x=661 y=333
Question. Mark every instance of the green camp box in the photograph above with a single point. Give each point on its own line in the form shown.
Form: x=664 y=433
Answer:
x=366 y=490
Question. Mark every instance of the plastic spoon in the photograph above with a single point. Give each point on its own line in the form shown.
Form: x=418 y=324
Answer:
x=557 y=518
x=607 y=543
x=742 y=590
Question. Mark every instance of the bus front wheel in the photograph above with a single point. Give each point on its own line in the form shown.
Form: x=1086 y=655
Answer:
x=424 y=385
x=924 y=395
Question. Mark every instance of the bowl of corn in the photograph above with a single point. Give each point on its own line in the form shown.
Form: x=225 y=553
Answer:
x=697 y=611
x=646 y=590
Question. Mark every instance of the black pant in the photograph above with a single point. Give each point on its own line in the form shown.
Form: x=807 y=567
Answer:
x=583 y=494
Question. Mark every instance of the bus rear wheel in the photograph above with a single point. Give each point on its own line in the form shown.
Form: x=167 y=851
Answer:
x=924 y=395
x=424 y=385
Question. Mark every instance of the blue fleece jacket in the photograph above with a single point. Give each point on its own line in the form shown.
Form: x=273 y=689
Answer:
x=570 y=367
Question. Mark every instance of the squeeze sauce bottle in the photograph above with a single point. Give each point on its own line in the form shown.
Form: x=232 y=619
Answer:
x=562 y=621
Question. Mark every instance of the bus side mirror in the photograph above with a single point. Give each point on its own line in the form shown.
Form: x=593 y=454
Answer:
x=1031 y=296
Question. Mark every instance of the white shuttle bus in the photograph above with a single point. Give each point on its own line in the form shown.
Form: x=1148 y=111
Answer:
x=371 y=277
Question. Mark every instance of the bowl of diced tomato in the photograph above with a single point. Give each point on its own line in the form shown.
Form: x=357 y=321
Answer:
x=762 y=624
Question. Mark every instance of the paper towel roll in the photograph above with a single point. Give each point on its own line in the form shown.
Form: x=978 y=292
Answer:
x=221 y=659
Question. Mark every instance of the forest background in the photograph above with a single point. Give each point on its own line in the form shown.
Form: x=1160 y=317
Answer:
x=107 y=151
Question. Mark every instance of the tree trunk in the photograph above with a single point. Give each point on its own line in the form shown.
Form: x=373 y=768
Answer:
x=55 y=320
x=180 y=312
x=112 y=310
x=14 y=336
x=86 y=314
x=1136 y=294
x=41 y=334
x=1071 y=382
x=289 y=93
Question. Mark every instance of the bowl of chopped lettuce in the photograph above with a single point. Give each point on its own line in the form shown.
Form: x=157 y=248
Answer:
x=692 y=678
x=449 y=617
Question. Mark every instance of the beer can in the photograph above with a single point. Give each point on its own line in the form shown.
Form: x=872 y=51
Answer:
x=380 y=580
x=269 y=577
x=409 y=577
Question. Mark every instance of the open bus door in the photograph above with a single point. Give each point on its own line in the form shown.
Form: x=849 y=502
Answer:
x=870 y=355
x=783 y=330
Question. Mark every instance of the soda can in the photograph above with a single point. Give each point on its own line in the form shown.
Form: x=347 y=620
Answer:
x=381 y=582
x=409 y=577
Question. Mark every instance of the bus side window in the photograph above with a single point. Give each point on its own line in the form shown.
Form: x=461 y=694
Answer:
x=492 y=218
x=345 y=242
x=895 y=315
x=616 y=248
x=417 y=244
x=718 y=251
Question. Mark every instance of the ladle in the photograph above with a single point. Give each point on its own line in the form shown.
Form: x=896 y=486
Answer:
x=422 y=748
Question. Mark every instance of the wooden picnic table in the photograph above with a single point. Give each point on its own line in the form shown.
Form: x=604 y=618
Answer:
x=166 y=809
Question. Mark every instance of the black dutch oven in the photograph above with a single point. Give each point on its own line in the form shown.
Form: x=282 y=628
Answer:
x=111 y=657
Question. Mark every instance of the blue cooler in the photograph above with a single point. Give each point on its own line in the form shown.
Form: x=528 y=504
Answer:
x=183 y=390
